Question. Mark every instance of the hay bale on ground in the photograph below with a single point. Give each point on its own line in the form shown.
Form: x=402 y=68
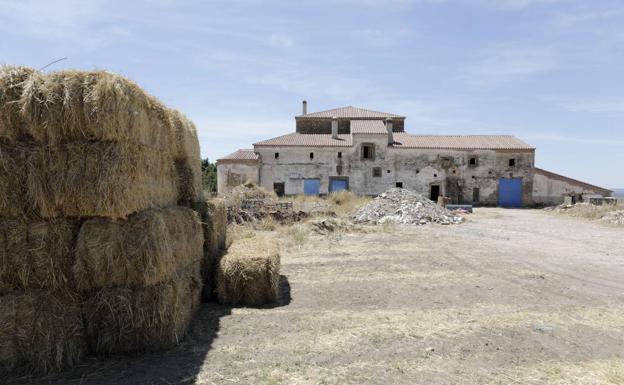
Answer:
x=36 y=254
x=248 y=274
x=143 y=250
x=213 y=215
x=41 y=329
x=85 y=179
x=131 y=319
x=95 y=106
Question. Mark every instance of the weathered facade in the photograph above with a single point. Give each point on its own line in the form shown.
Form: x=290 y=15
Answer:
x=368 y=152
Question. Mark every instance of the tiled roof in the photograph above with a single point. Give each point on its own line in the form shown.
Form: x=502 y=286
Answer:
x=460 y=142
x=308 y=140
x=350 y=112
x=403 y=140
x=552 y=175
x=368 y=127
x=243 y=154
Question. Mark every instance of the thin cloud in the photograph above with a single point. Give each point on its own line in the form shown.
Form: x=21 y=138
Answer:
x=587 y=106
x=507 y=63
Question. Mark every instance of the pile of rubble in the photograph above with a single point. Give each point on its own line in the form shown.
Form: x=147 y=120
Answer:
x=240 y=216
x=614 y=218
x=405 y=207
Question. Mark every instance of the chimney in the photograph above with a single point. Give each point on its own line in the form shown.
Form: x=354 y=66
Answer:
x=305 y=107
x=334 y=127
x=389 y=129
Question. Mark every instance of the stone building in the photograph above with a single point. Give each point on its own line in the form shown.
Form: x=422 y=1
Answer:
x=368 y=152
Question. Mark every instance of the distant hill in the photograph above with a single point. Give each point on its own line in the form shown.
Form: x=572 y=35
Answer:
x=618 y=192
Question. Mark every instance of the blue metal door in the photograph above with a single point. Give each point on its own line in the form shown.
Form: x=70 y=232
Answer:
x=510 y=192
x=336 y=185
x=311 y=186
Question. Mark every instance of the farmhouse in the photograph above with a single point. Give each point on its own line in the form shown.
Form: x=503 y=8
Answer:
x=368 y=152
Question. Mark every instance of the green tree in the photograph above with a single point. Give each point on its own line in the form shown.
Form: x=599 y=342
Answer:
x=209 y=176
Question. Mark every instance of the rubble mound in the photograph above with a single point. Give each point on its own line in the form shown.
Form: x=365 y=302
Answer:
x=614 y=218
x=404 y=207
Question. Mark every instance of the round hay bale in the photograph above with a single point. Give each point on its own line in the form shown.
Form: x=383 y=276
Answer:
x=248 y=274
x=147 y=248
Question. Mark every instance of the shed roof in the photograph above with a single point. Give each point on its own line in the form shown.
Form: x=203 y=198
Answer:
x=308 y=140
x=552 y=175
x=460 y=142
x=241 y=155
x=350 y=112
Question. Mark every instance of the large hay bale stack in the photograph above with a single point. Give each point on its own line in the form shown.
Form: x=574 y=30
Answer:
x=213 y=214
x=97 y=253
x=248 y=274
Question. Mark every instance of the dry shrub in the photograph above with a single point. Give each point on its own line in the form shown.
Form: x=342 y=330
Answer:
x=41 y=329
x=143 y=250
x=36 y=254
x=96 y=106
x=248 y=191
x=134 y=319
x=346 y=202
x=12 y=79
x=248 y=274
x=85 y=179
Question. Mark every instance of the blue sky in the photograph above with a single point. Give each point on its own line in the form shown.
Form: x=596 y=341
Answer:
x=548 y=71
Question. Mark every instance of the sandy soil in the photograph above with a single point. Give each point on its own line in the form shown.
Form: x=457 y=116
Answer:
x=510 y=297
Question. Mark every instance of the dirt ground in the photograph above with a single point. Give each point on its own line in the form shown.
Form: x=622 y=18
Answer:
x=510 y=297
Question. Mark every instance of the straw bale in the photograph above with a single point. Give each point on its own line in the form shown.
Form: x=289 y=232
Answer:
x=36 y=254
x=12 y=79
x=143 y=250
x=248 y=274
x=84 y=179
x=218 y=210
x=130 y=319
x=96 y=106
x=187 y=157
x=41 y=329
x=13 y=189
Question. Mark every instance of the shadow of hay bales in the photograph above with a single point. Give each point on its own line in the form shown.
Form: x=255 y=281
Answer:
x=180 y=365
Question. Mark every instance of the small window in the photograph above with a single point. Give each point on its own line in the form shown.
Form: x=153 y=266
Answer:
x=454 y=172
x=473 y=161
x=512 y=162
x=368 y=151
x=377 y=172
x=311 y=155
x=276 y=155
x=340 y=155
x=417 y=171
x=435 y=175
x=388 y=171
x=399 y=184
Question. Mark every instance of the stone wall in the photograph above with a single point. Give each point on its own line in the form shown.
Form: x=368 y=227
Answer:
x=231 y=174
x=549 y=189
x=416 y=169
x=323 y=126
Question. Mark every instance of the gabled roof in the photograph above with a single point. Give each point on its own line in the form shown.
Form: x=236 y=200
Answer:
x=247 y=155
x=460 y=142
x=350 y=112
x=308 y=140
x=368 y=127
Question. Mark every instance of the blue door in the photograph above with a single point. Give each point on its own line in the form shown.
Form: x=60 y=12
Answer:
x=510 y=192
x=336 y=185
x=311 y=186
